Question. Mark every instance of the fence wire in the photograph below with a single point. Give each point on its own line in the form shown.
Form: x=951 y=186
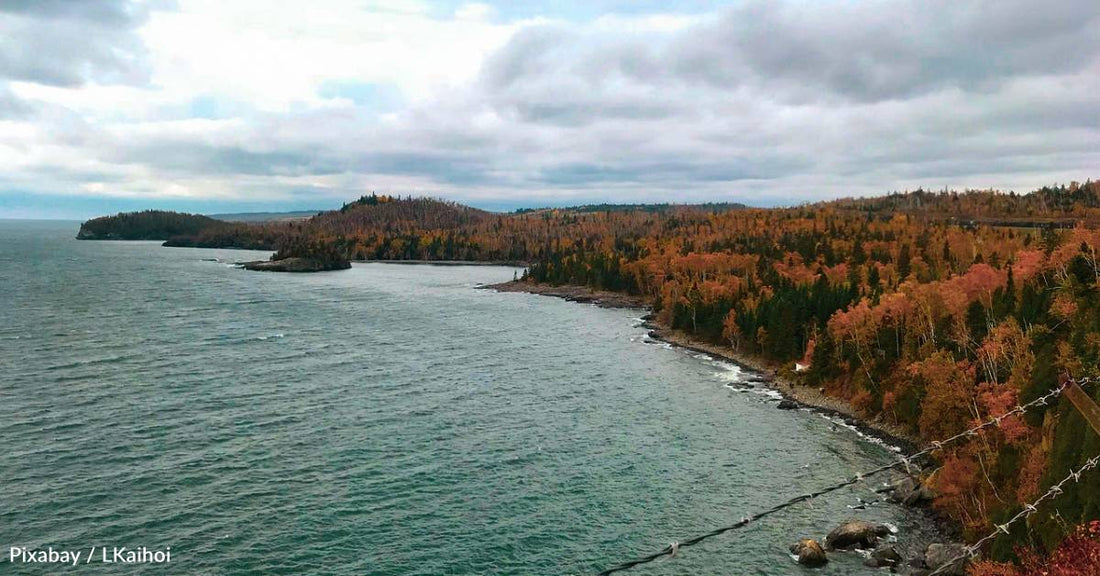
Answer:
x=905 y=461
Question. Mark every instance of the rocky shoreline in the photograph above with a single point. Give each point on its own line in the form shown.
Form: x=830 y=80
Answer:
x=802 y=396
x=906 y=490
x=760 y=372
x=600 y=298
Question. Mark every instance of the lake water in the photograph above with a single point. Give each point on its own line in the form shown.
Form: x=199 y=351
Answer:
x=387 y=420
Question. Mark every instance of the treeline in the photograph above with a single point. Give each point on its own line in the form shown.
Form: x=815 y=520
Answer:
x=663 y=207
x=1050 y=204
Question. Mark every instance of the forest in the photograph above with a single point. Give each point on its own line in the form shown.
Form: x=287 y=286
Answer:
x=932 y=311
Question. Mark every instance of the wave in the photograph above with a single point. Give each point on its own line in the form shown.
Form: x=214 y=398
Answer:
x=841 y=422
x=733 y=375
x=271 y=336
x=747 y=388
x=92 y=362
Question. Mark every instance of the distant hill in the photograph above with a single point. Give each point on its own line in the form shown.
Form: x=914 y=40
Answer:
x=375 y=213
x=146 y=225
x=267 y=216
x=651 y=208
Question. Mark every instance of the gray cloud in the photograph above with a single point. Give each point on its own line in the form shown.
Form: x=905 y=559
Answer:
x=69 y=43
x=801 y=52
x=182 y=158
x=882 y=93
x=110 y=12
x=896 y=49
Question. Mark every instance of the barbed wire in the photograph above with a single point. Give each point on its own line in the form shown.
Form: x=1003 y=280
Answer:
x=1029 y=509
x=906 y=461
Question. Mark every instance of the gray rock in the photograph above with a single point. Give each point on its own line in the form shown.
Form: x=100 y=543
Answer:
x=809 y=552
x=909 y=491
x=883 y=556
x=787 y=404
x=939 y=555
x=855 y=534
x=902 y=488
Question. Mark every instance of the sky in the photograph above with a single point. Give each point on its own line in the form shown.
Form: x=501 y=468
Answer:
x=265 y=105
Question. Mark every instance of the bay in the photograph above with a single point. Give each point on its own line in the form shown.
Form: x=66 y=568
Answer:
x=388 y=419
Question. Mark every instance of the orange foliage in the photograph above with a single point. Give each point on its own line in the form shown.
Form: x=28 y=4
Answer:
x=956 y=484
x=1031 y=474
x=947 y=408
x=997 y=400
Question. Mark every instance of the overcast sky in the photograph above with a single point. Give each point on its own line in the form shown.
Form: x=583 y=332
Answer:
x=230 y=105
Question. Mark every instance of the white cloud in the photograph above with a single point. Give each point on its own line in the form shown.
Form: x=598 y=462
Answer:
x=276 y=58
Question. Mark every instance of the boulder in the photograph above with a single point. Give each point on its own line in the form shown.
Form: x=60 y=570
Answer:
x=855 y=534
x=902 y=489
x=787 y=404
x=909 y=491
x=809 y=552
x=883 y=557
x=939 y=555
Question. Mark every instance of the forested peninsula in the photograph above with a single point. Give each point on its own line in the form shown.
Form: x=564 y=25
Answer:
x=929 y=311
x=146 y=225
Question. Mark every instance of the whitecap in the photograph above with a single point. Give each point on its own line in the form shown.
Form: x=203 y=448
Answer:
x=774 y=395
x=279 y=335
x=728 y=372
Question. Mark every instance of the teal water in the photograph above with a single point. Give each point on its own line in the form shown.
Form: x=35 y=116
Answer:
x=388 y=420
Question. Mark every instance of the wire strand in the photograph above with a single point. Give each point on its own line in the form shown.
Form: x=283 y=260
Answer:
x=1029 y=509
x=905 y=461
